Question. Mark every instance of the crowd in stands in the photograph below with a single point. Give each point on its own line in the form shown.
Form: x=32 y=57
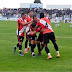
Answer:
x=8 y=12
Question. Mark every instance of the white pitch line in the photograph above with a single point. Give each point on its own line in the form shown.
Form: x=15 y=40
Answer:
x=4 y=29
x=63 y=37
x=55 y=36
x=7 y=33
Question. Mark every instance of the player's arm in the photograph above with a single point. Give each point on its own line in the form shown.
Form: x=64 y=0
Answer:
x=42 y=30
x=22 y=23
x=35 y=31
x=37 y=25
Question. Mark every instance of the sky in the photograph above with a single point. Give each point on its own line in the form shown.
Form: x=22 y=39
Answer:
x=16 y=3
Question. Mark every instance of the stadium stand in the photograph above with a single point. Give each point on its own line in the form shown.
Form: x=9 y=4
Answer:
x=52 y=13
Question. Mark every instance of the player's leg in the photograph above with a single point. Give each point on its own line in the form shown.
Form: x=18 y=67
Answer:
x=27 y=48
x=70 y=25
x=20 y=45
x=46 y=40
x=38 y=44
x=29 y=43
x=47 y=51
x=42 y=43
x=16 y=47
x=39 y=50
x=32 y=41
x=52 y=38
x=26 y=42
x=40 y=47
x=58 y=25
x=32 y=48
x=55 y=24
x=56 y=48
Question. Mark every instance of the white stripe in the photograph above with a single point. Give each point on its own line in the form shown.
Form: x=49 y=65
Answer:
x=44 y=23
x=21 y=31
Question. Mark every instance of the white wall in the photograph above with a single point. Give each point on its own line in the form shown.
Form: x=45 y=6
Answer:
x=24 y=5
x=58 y=6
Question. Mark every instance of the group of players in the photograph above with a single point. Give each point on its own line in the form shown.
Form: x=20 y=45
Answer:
x=33 y=25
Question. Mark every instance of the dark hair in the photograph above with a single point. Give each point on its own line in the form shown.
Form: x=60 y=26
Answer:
x=34 y=16
x=23 y=13
x=30 y=11
x=33 y=25
x=41 y=15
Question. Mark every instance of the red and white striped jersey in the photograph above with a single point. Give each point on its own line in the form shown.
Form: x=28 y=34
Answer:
x=28 y=26
x=21 y=28
x=45 y=24
x=47 y=18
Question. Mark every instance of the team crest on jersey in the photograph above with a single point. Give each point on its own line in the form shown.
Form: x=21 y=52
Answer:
x=41 y=21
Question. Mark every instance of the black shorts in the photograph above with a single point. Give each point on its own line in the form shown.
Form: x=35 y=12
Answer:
x=48 y=36
x=40 y=37
x=20 y=38
x=26 y=36
x=32 y=37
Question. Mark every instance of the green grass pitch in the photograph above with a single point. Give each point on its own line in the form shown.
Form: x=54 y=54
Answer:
x=15 y=63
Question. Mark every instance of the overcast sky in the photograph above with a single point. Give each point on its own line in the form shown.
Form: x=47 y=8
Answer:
x=16 y=3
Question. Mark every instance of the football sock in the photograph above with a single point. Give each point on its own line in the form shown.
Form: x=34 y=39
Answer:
x=20 y=48
x=42 y=46
x=29 y=44
x=57 y=52
x=26 y=43
x=49 y=54
x=47 y=50
x=17 y=45
x=56 y=46
x=32 y=47
x=33 y=53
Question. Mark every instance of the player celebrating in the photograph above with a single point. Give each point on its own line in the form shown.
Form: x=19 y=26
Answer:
x=32 y=38
x=40 y=37
x=48 y=34
x=20 y=32
x=28 y=18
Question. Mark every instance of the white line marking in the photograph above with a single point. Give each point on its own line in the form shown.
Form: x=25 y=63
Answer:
x=55 y=36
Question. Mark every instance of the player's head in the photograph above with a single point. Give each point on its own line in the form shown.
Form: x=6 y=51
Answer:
x=33 y=25
x=31 y=13
x=23 y=15
x=35 y=18
x=41 y=15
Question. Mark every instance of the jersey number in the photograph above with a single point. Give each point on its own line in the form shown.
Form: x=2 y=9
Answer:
x=46 y=25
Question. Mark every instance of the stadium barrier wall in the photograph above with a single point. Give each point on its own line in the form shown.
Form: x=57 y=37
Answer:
x=3 y=18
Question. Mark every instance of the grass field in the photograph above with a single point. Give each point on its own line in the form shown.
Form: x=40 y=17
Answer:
x=13 y=62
